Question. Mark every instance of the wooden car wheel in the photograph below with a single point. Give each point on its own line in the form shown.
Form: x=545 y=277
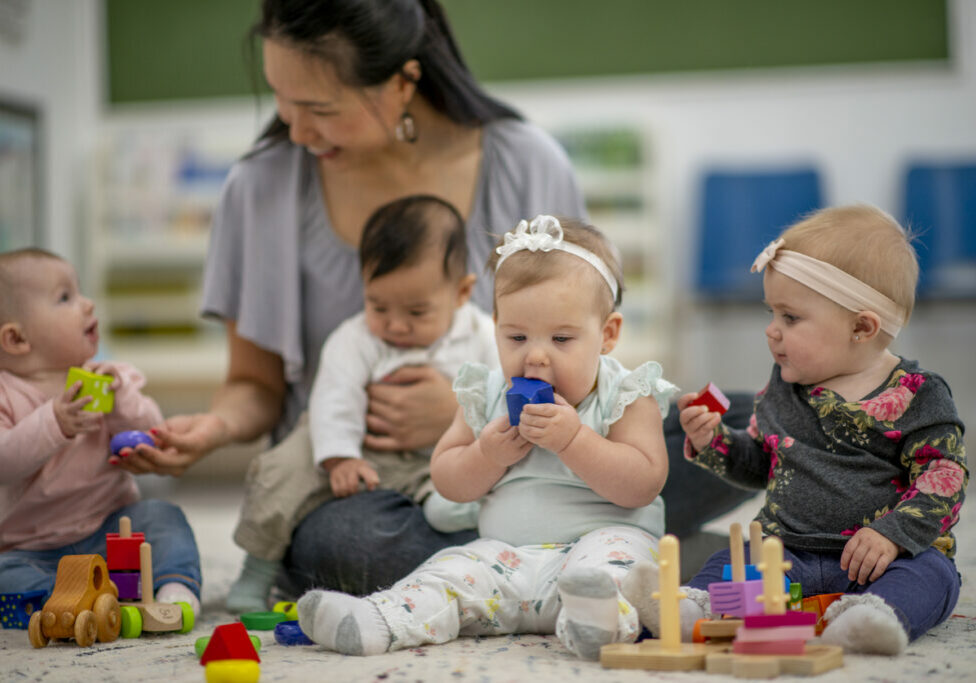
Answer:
x=34 y=631
x=86 y=630
x=108 y=617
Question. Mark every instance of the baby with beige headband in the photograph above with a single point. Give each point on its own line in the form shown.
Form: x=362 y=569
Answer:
x=860 y=451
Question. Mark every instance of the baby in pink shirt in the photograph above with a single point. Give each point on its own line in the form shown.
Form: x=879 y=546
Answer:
x=59 y=494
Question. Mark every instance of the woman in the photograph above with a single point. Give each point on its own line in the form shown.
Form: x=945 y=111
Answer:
x=374 y=103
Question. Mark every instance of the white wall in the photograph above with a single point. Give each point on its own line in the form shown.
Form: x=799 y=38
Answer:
x=54 y=66
x=858 y=124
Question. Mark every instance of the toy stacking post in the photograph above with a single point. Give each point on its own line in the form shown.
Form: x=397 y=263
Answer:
x=755 y=542
x=668 y=595
x=737 y=553
x=146 y=577
x=774 y=599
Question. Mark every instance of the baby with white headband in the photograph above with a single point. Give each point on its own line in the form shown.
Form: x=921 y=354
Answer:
x=569 y=495
x=860 y=451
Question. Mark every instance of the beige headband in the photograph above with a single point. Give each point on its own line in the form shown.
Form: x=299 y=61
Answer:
x=833 y=283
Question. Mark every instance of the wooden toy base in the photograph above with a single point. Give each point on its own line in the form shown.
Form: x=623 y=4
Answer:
x=651 y=654
x=816 y=660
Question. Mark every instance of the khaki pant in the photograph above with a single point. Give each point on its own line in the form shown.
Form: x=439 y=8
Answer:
x=283 y=485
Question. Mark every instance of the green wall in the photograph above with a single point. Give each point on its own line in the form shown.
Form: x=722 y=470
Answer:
x=195 y=48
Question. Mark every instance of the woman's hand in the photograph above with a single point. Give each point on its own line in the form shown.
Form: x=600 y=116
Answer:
x=698 y=422
x=180 y=442
x=411 y=409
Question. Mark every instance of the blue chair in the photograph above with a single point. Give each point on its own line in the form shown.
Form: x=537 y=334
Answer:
x=741 y=213
x=940 y=207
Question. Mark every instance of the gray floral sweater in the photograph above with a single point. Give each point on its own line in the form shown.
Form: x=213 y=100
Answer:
x=893 y=461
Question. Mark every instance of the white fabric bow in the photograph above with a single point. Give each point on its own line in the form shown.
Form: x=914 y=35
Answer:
x=544 y=233
x=766 y=255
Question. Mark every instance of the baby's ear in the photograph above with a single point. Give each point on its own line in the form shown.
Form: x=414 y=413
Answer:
x=12 y=339
x=465 y=288
x=867 y=325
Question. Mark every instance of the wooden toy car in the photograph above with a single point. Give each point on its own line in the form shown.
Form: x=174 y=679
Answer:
x=84 y=604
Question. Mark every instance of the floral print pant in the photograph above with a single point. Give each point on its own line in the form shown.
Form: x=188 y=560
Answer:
x=488 y=587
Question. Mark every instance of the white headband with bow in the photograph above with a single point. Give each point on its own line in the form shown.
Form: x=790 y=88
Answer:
x=545 y=233
x=832 y=282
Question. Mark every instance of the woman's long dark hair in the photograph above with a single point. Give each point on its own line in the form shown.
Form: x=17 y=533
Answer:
x=368 y=41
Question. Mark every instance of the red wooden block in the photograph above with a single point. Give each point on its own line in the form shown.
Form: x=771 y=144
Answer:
x=229 y=641
x=751 y=635
x=712 y=398
x=775 y=647
x=123 y=553
x=790 y=618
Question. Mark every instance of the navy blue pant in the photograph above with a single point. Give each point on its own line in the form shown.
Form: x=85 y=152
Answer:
x=368 y=541
x=923 y=590
x=174 y=550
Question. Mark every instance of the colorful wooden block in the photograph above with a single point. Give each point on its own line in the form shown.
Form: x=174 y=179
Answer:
x=736 y=598
x=232 y=671
x=791 y=618
x=746 y=634
x=712 y=398
x=229 y=641
x=290 y=633
x=94 y=385
x=523 y=391
x=128 y=583
x=17 y=608
x=769 y=647
x=752 y=574
x=122 y=552
x=818 y=604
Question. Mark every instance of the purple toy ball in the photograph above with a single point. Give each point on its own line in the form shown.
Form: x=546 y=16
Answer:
x=129 y=439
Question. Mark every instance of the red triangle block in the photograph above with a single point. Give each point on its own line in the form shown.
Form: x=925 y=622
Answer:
x=229 y=641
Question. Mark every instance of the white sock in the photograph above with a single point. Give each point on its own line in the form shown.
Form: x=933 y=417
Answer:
x=865 y=624
x=641 y=583
x=174 y=592
x=249 y=593
x=343 y=623
x=589 y=611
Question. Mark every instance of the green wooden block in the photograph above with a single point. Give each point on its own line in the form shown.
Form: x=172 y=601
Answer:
x=94 y=385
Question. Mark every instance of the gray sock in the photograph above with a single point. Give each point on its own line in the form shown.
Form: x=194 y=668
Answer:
x=343 y=623
x=249 y=593
x=589 y=611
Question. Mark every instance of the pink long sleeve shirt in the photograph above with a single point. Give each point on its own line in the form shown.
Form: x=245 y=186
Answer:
x=56 y=490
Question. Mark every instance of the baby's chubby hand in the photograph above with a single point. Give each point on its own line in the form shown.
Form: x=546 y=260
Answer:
x=502 y=443
x=346 y=473
x=70 y=414
x=550 y=425
x=867 y=555
x=106 y=368
x=698 y=422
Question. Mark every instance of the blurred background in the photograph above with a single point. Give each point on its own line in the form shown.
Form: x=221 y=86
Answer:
x=698 y=129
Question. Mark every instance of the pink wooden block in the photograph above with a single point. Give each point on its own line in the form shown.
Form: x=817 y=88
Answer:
x=774 y=647
x=712 y=398
x=790 y=618
x=737 y=598
x=751 y=635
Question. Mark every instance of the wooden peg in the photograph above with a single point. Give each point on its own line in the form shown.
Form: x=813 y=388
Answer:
x=668 y=594
x=737 y=553
x=146 y=572
x=774 y=598
x=125 y=527
x=755 y=542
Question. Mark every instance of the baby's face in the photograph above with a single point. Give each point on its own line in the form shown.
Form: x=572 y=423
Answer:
x=60 y=322
x=553 y=331
x=413 y=306
x=809 y=336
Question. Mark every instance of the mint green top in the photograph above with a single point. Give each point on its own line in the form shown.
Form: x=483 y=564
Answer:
x=540 y=500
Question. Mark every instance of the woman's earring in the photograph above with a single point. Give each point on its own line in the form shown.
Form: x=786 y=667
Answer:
x=857 y=337
x=406 y=129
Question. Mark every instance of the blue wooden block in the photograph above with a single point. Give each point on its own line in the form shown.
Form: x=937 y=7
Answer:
x=290 y=633
x=525 y=391
x=16 y=608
